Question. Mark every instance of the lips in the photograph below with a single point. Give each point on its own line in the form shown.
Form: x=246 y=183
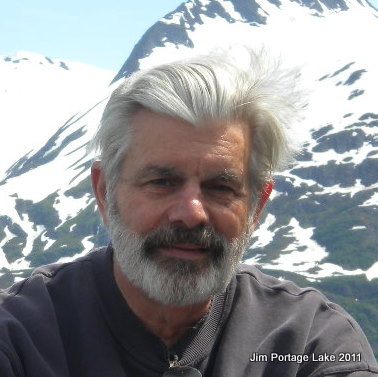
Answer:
x=188 y=247
x=184 y=251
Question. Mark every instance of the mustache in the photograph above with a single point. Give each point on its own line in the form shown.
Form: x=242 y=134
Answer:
x=206 y=237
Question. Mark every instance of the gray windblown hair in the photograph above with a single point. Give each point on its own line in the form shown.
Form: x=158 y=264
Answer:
x=214 y=87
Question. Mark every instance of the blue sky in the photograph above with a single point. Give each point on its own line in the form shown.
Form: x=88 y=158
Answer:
x=101 y=33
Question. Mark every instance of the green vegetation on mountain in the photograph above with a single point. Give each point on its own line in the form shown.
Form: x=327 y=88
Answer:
x=14 y=246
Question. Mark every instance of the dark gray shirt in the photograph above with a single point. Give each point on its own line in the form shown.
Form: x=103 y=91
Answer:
x=71 y=320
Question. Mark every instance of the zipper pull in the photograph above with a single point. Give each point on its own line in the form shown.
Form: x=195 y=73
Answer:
x=173 y=360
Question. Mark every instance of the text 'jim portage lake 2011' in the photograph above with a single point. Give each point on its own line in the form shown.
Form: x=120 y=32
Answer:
x=300 y=358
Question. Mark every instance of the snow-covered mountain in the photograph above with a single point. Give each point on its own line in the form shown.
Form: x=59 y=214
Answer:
x=37 y=94
x=321 y=224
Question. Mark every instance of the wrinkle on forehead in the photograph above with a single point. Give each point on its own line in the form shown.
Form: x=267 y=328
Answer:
x=174 y=143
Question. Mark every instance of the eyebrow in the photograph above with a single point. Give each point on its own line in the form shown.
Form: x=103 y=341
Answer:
x=229 y=176
x=163 y=171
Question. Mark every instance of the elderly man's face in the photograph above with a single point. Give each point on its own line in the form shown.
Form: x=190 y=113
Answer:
x=179 y=174
x=178 y=218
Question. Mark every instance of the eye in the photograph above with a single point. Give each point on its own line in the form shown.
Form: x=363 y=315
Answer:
x=221 y=191
x=223 y=188
x=162 y=182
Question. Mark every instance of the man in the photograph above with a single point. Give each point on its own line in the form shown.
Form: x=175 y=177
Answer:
x=187 y=152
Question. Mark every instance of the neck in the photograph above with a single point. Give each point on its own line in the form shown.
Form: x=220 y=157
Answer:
x=167 y=322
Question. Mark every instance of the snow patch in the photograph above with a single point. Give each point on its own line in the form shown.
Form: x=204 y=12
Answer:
x=292 y=259
x=263 y=234
x=372 y=272
x=88 y=246
x=373 y=201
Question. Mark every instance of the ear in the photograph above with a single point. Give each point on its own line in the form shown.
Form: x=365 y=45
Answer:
x=99 y=188
x=265 y=193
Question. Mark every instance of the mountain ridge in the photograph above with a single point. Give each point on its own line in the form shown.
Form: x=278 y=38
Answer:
x=352 y=147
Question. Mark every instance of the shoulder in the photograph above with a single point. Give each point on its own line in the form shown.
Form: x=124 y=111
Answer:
x=33 y=295
x=282 y=301
x=29 y=323
x=316 y=326
x=284 y=298
x=248 y=275
x=55 y=271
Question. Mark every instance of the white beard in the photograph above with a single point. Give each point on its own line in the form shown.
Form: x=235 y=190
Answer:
x=173 y=281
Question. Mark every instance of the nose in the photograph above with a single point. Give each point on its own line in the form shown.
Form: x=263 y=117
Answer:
x=189 y=208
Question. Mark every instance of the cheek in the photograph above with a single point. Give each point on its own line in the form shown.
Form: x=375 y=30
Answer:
x=126 y=206
x=231 y=222
x=137 y=213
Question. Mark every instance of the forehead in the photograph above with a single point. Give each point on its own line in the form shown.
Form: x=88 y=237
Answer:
x=160 y=139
